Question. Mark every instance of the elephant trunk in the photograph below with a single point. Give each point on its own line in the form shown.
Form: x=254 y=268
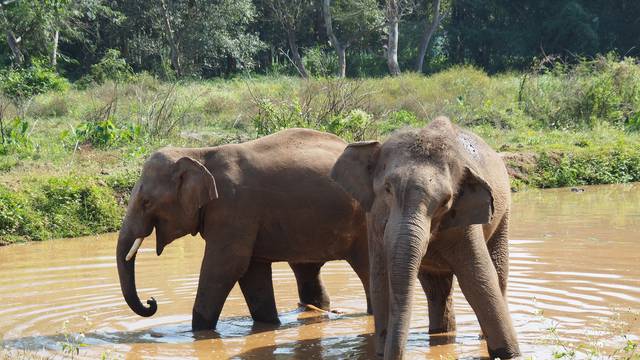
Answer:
x=127 y=274
x=409 y=245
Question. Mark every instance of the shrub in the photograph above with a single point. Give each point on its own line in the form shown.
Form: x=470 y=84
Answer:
x=18 y=220
x=617 y=165
x=22 y=84
x=352 y=127
x=111 y=67
x=399 y=119
x=103 y=134
x=319 y=62
x=77 y=206
x=581 y=96
x=14 y=136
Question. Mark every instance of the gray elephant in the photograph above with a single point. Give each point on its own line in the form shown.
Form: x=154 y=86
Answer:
x=438 y=203
x=254 y=203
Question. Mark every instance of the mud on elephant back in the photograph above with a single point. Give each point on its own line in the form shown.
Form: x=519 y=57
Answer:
x=438 y=203
x=255 y=203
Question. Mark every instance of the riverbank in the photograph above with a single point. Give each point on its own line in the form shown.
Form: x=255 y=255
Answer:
x=68 y=160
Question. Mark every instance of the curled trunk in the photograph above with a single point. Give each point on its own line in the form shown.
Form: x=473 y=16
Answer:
x=127 y=275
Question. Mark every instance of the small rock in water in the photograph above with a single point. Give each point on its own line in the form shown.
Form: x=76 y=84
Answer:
x=575 y=189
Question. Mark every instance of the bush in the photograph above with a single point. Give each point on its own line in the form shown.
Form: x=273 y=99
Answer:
x=111 y=67
x=603 y=90
x=77 y=206
x=605 y=167
x=57 y=207
x=319 y=62
x=399 y=119
x=14 y=136
x=22 y=84
x=102 y=134
x=18 y=220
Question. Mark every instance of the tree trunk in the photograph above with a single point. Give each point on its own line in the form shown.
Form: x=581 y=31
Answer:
x=429 y=30
x=295 y=53
x=340 y=48
x=392 y=43
x=54 y=52
x=15 y=48
x=173 y=44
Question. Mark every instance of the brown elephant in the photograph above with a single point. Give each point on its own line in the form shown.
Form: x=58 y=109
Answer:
x=255 y=203
x=438 y=202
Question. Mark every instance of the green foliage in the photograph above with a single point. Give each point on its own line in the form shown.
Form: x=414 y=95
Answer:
x=14 y=136
x=351 y=127
x=399 y=119
x=587 y=168
x=18 y=219
x=22 y=84
x=582 y=96
x=111 y=67
x=104 y=134
x=57 y=207
x=320 y=63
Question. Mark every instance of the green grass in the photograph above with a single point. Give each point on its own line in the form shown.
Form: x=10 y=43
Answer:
x=69 y=172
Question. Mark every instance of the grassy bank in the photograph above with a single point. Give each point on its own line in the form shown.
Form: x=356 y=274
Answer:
x=69 y=158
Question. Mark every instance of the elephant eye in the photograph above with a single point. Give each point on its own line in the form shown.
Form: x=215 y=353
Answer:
x=387 y=188
x=145 y=204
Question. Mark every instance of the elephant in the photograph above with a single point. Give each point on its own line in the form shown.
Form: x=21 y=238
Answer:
x=438 y=203
x=254 y=203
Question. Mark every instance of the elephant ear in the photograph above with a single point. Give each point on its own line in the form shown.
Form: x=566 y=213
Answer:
x=195 y=185
x=473 y=204
x=354 y=169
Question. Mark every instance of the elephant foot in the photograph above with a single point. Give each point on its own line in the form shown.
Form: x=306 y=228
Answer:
x=266 y=317
x=504 y=353
x=310 y=288
x=200 y=323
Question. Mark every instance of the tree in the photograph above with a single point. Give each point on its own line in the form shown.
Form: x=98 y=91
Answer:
x=12 y=41
x=430 y=28
x=289 y=13
x=395 y=10
x=353 y=20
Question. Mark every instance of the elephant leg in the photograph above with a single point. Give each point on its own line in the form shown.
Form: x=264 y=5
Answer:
x=470 y=260
x=438 y=288
x=379 y=287
x=498 y=246
x=257 y=288
x=310 y=288
x=218 y=274
x=359 y=262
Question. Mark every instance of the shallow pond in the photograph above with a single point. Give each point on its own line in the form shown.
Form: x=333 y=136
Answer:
x=575 y=267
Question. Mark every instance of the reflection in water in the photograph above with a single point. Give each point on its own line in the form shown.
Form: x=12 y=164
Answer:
x=574 y=265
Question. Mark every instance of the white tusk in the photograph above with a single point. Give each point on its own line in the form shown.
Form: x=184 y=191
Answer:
x=134 y=248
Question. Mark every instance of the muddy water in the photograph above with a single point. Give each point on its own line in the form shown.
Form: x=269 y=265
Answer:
x=575 y=266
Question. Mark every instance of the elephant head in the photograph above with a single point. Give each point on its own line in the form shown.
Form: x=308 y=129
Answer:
x=173 y=189
x=415 y=185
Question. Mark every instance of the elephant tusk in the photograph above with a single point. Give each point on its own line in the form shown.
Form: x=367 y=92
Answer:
x=134 y=248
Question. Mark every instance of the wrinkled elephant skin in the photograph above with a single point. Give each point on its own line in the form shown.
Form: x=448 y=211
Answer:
x=255 y=203
x=438 y=201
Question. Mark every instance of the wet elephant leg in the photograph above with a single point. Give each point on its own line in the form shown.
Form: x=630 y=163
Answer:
x=470 y=260
x=438 y=288
x=218 y=274
x=257 y=287
x=359 y=262
x=310 y=288
x=498 y=246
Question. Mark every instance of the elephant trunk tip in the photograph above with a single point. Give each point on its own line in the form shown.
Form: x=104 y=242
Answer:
x=151 y=310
